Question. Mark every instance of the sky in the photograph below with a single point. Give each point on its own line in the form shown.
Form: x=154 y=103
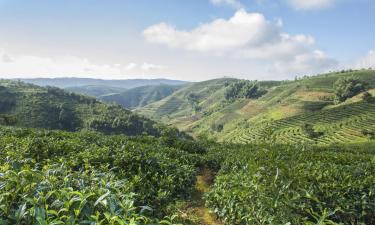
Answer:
x=189 y=40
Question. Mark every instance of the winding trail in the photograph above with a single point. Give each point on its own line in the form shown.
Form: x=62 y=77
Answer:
x=205 y=179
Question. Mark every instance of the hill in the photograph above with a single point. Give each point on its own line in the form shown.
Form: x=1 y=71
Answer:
x=140 y=96
x=29 y=105
x=95 y=90
x=77 y=82
x=214 y=116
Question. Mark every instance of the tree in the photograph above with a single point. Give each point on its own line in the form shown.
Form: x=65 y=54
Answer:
x=193 y=100
x=67 y=118
x=244 y=89
x=348 y=87
x=308 y=129
x=366 y=96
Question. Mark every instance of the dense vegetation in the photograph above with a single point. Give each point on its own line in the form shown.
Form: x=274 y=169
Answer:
x=348 y=87
x=140 y=96
x=52 y=108
x=95 y=90
x=314 y=163
x=221 y=111
x=51 y=177
x=243 y=89
x=54 y=177
x=345 y=123
x=296 y=185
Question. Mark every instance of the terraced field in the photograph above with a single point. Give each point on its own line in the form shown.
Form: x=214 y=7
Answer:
x=337 y=125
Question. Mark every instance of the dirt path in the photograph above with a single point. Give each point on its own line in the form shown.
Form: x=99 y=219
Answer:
x=197 y=208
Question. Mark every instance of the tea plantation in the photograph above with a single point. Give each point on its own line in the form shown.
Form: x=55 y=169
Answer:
x=53 y=177
x=296 y=185
x=56 y=177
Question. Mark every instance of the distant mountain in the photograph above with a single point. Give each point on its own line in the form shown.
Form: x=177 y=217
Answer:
x=76 y=82
x=28 y=105
x=141 y=96
x=95 y=90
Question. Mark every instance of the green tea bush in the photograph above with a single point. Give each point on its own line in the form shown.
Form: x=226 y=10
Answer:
x=289 y=185
x=54 y=177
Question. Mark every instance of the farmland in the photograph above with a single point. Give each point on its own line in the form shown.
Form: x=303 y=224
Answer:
x=55 y=177
x=270 y=152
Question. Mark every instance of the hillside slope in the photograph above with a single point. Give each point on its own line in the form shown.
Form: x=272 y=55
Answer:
x=76 y=82
x=28 y=105
x=216 y=117
x=95 y=90
x=140 y=96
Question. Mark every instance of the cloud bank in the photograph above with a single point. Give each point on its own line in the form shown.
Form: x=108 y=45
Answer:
x=246 y=35
x=366 y=61
x=62 y=66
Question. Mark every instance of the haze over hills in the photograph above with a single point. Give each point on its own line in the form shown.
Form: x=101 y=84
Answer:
x=140 y=96
x=76 y=82
x=95 y=90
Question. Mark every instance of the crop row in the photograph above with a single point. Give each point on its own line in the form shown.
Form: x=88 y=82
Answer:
x=296 y=185
x=52 y=177
x=336 y=126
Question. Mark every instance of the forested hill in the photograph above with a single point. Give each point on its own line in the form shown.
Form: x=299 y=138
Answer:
x=95 y=90
x=27 y=105
x=140 y=96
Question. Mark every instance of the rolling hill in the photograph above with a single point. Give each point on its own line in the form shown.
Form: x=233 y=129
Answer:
x=77 y=82
x=282 y=111
x=140 y=96
x=28 y=105
x=95 y=90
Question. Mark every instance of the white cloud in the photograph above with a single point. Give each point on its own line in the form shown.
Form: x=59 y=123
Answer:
x=131 y=66
x=245 y=35
x=311 y=4
x=306 y=64
x=242 y=30
x=6 y=58
x=233 y=3
x=149 y=67
x=366 y=61
x=63 y=66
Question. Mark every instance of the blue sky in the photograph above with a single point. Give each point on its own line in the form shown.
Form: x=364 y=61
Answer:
x=188 y=40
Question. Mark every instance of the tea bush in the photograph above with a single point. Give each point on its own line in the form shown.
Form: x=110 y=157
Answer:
x=54 y=177
x=296 y=185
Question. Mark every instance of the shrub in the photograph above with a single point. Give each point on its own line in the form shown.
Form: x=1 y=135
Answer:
x=348 y=87
x=244 y=89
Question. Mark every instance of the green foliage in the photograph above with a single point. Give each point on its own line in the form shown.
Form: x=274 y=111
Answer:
x=370 y=134
x=348 y=87
x=193 y=100
x=295 y=185
x=140 y=96
x=95 y=90
x=69 y=178
x=54 y=108
x=7 y=120
x=341 y=124
x=243 y=89
x=308 y=129
x=367 y=97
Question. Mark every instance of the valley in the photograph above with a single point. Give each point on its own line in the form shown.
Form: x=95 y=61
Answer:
x=245 y=152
